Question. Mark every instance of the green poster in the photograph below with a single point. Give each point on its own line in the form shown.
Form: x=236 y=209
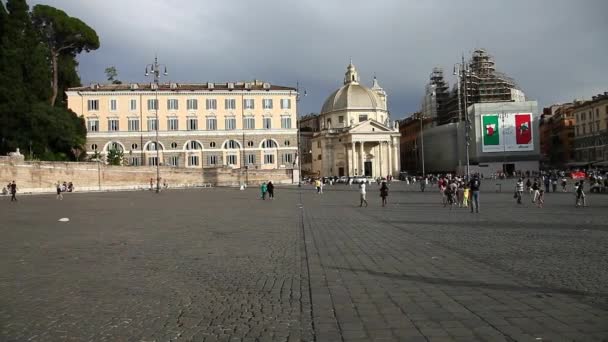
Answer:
x=490 y=130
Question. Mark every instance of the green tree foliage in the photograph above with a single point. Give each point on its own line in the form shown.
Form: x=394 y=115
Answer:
x=63 y=35
x=112 y=75
x=115 y=156
x=27 y=119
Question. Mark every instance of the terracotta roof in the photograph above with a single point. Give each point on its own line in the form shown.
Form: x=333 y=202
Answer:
x=255 y=85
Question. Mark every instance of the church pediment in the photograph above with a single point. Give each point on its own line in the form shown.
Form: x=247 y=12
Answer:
x=370 y=126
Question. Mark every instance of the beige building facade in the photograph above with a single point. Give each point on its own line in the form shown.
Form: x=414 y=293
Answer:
x=355 y=136
x=591 y=131
x=209 y=125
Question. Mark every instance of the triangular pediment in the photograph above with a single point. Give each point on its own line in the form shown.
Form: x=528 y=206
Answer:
x=370 y=126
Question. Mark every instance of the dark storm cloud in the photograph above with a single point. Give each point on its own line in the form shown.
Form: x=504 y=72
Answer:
x=555 y=50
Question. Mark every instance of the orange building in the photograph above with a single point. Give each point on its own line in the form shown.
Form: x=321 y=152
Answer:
x=410 y=144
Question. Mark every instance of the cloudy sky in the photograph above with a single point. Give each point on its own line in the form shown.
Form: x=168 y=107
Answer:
x=555 y=49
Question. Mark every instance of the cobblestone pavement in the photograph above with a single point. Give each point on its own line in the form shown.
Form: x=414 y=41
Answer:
x=222 y=265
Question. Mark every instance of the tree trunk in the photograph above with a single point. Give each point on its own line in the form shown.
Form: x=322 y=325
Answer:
x=54 y=56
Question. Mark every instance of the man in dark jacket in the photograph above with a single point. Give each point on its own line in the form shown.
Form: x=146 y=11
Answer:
x=474 y=185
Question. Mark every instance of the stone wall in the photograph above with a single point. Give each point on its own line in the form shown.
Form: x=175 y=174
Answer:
x=38 y=176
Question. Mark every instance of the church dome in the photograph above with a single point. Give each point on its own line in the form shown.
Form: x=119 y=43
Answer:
x=352 y=95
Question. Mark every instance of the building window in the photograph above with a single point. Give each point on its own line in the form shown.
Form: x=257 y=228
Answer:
x=113 y=105
x=319 y=157
x=152 y=104
x=597 y=126
x=319 y=144
x=250 y=143
x=174 y=145
x=230 y=123
x=250 y=159
x=135 y=161
x=249 y=122
x=362 y=117
x=133 y=124
x=152 y=161
x=212 y=144
x=267 y=123
x=287 y=143
x=231 y=144
x=192 y=124
x=152 y=124
x=94 y=147
x=597 y=113
x=341 y=119
x=113 y=125
x=172 y=124
x=231 y=159
x=192 y=104
x=193 y=160
x=266 y=103
x=288 y=158
x=133 y=105
x=230 y=104
x=285 y=122
x=268 y=144
x=151 y=146
x=173 y=160
x=194 y=145
x=115 y=146
x=285 y=103
x=249 y=104
x=134 y=146
x=211 y=123
x=211 y=160
x=268 y=158
x=172 y=104
x=211 y=104
x=93 y=125
x=93 y=104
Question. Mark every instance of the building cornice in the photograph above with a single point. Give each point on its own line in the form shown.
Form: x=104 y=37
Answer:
x=135 y=92
x=236 y=132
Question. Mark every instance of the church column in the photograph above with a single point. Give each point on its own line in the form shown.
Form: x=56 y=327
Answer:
x=390 y=162
x=397 y=162
x=361 y=154
x=352 y=161
x=380 y=158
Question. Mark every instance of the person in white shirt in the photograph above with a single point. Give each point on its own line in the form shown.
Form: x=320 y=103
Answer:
x=362 y=193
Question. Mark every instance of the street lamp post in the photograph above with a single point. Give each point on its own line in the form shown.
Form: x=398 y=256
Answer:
x=298 y=127
x=461 y=71
x=155 y=70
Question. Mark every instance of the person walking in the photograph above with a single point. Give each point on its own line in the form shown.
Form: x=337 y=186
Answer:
x=362 y=194
x=151 y=183
x=270 y=189
x=263 y=189
x=13 y=188
x=580 y=194
x=383 y=193
x=59 y=192
x=465 y=196
x=535 y=190
x=474 y=186
x=519 y=190
x=318 y=185
x=564 y=183
x=554 y=183
x=547 y=183
x=529 y=186
x=541 y=198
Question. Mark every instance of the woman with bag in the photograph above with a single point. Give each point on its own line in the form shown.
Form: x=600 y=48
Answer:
x=383 y=192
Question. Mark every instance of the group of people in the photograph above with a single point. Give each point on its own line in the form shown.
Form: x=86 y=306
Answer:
x=11 y=188
x=537 y=193
x=65 y=187
x=267 y=188
x=152 y=184
x=456 y=191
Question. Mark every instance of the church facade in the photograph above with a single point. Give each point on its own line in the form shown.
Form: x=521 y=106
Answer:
x=356 y=137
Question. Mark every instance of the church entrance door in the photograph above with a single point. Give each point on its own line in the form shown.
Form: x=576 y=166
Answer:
x=340 y=171
x=368 y=168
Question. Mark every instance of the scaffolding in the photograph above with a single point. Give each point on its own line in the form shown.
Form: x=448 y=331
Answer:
x=482 y=83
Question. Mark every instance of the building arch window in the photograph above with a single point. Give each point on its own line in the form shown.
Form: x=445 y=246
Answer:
x=269 y=143
x=286 y=142
x=134 y=146
x=194 y=145
x=231 y=144
x=151 y=146
x=212 y=144
x=174 y=145
x=114 y=145
x=94 y=147
x=250 y=144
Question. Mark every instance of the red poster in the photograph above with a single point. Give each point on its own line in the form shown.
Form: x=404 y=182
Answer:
x=523 y=126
